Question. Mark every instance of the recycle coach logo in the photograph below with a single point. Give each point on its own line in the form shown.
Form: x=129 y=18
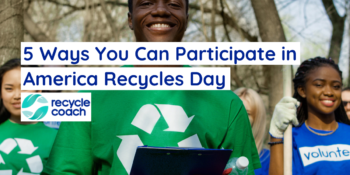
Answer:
x=35 y=107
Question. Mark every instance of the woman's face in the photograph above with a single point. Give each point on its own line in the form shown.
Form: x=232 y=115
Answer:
x=322 y=90
x=248 y=109
x=11 y=92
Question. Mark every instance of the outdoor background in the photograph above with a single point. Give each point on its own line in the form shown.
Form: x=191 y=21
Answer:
x=321 y=26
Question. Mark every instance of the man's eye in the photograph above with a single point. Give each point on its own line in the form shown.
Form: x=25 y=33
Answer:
x=8 y=89
x=318 y=85
x=175 y=5
x=146 y=4
x=337 y=87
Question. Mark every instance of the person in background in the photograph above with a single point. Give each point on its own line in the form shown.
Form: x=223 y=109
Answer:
x=345 y=95
x=321 y=144
x=257 y=117
x=24 y=146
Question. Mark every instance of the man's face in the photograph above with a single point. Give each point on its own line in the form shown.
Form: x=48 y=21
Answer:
x=158 y=20
x=345 y=95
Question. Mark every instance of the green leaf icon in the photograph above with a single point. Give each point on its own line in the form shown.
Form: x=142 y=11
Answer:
x=30 y=100
x=40 y=113
x=42 y=100
x=27 y=113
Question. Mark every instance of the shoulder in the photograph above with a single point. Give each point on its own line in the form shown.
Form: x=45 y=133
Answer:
x=225 y=97
x=298 y=129
x=344 y=126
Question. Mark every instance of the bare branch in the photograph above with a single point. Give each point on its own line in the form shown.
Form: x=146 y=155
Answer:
x=332 y=13
x=110 y=20
x=203 y=22
x=213 y=15
x=224 y=20
x=235 y=77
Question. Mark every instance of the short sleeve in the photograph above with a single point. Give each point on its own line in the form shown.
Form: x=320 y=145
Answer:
x=71 y=152
x=239 y=136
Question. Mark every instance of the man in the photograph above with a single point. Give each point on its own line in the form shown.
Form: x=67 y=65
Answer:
x=123 y=120
x=345 y=96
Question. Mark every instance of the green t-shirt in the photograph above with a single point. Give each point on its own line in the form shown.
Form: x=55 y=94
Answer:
x=24 y=148
x=123 y=120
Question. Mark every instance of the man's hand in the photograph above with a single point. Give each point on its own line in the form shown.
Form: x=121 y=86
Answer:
x=284 y=113
x=227 y=171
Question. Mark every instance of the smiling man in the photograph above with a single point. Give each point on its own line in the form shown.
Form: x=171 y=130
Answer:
x=160 y=21
x=123 y=120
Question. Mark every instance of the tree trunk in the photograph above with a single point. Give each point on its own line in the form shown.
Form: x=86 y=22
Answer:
x=34 y=31
x=338 y=24
x=11 y=29
x=270 y=30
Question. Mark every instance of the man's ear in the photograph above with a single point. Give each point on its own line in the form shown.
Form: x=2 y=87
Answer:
x=301 y=91
x=130 y=21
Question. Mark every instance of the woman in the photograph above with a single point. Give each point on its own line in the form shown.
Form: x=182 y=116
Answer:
x=257 y=117
x=24 y=146
x=320 y=141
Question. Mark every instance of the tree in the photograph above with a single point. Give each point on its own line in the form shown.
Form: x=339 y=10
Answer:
x=11 y=29
x=270 y=30
x=338 y=24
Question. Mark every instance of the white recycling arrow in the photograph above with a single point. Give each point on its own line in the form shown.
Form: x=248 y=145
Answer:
x=8 y=145
x=146 y=118
x=6 y=172
x=24 y=173
x=26 y=146
x=127 y=150
x=192 y=141
x=2 y=160
x=35 y=164
x=175 y=117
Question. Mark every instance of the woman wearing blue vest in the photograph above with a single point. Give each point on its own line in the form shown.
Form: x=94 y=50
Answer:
x=321 y=144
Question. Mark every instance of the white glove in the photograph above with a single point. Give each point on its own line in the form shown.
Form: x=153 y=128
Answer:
x=284 y=113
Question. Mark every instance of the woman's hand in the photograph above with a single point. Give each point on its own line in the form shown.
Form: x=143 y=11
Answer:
x=284 y=113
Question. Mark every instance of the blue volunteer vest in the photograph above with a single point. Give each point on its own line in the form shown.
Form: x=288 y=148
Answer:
x=321 y=155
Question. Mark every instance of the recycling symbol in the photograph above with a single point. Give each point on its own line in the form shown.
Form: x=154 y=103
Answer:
x=26 y=147
x=145 y=119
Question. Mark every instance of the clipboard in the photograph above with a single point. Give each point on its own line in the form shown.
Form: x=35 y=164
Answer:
x=179 y=161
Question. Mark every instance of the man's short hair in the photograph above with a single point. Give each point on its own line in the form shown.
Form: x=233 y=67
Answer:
x=130 y=5
x=346 y=89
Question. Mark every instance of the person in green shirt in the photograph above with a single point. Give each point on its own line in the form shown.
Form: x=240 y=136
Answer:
x=123 y=120
x=24 y=146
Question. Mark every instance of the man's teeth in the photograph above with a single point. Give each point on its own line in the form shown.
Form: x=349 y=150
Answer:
x=160 y=26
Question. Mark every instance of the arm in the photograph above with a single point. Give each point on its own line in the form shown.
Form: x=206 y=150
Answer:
x=239 y=136
x=284 y=113
x=71 y=152
x=276 y=158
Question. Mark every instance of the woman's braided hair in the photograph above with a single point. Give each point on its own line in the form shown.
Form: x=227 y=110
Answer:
x=300 y=79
